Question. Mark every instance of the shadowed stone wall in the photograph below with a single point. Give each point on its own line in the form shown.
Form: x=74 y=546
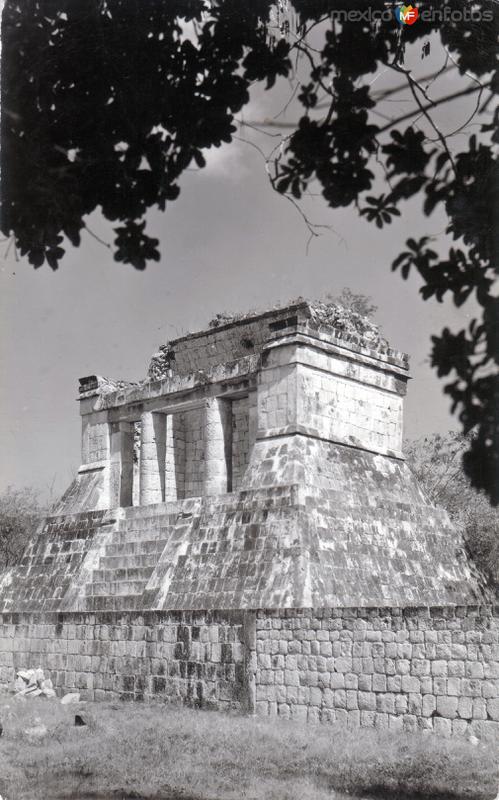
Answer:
x=203 y=659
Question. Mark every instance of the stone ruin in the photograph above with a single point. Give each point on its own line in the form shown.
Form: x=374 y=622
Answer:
x=244 y=533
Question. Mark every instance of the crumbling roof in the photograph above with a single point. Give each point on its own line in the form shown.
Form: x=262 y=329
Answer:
x=343 y=322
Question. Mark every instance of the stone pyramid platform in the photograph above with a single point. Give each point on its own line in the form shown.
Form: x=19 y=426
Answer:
x=271 y=479
x=244 y=533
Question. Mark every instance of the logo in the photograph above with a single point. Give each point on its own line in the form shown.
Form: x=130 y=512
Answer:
x=406 y=15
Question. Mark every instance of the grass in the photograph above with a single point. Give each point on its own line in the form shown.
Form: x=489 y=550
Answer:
x=160 y=751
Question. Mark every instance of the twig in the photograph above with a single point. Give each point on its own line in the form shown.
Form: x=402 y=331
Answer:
x=477 y=106
x=94 y=235
x=465 y=124
x=437 y=74
x=307 y=31
x=256 y=126
x=396 y=89
x=424 y=110
x=439 y=101
x=290 y=100
x=314 y=67
x=7 y=249
x=313 y=227
x=269 y=123
x=251 y=144
x=329 y=113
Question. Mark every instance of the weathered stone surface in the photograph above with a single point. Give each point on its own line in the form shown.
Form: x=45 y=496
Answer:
x=307 y=435
x=244 y=532
x=70 y=698
x=202 y=659
x=251 y=549
x=380 y=697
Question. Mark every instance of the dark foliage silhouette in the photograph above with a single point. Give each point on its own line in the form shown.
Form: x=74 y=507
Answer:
x=105 y=103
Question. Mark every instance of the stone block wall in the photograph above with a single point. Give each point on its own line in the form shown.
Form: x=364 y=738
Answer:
x=310 y=386
x=237 y=338
x=194 y=453
x=199 y=658
x=95 y=440
x=243 y=436
x=240 y=440
x=406 y=669
x=432 y=669
x=175 y=458
x=228 y=342
x=348 y=409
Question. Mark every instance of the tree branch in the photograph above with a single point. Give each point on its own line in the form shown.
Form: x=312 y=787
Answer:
x=414 y=85
x=421 y=108
x=271 y=123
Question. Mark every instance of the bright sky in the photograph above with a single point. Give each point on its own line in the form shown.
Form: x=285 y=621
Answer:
x=229 y=243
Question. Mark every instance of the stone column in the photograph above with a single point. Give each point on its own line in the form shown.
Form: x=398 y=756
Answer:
x=152 y=458
x=252 y=420
x=174 y=456
x=121 y=464
x=217 y=447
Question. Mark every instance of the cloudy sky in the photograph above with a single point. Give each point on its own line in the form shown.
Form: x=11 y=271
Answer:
x=229 y=243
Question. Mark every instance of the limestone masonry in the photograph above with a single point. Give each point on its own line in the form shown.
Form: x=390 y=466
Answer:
x=243 y=532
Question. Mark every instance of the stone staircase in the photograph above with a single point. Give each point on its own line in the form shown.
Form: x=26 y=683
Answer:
x=128 y=562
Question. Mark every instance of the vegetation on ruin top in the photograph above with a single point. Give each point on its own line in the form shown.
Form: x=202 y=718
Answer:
x=349 y=312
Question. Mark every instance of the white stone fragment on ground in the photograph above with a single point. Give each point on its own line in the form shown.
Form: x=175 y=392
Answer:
x=33 y=683
x=36 y=732
x=47 y=688
x=71 y=697
x=26 y=674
